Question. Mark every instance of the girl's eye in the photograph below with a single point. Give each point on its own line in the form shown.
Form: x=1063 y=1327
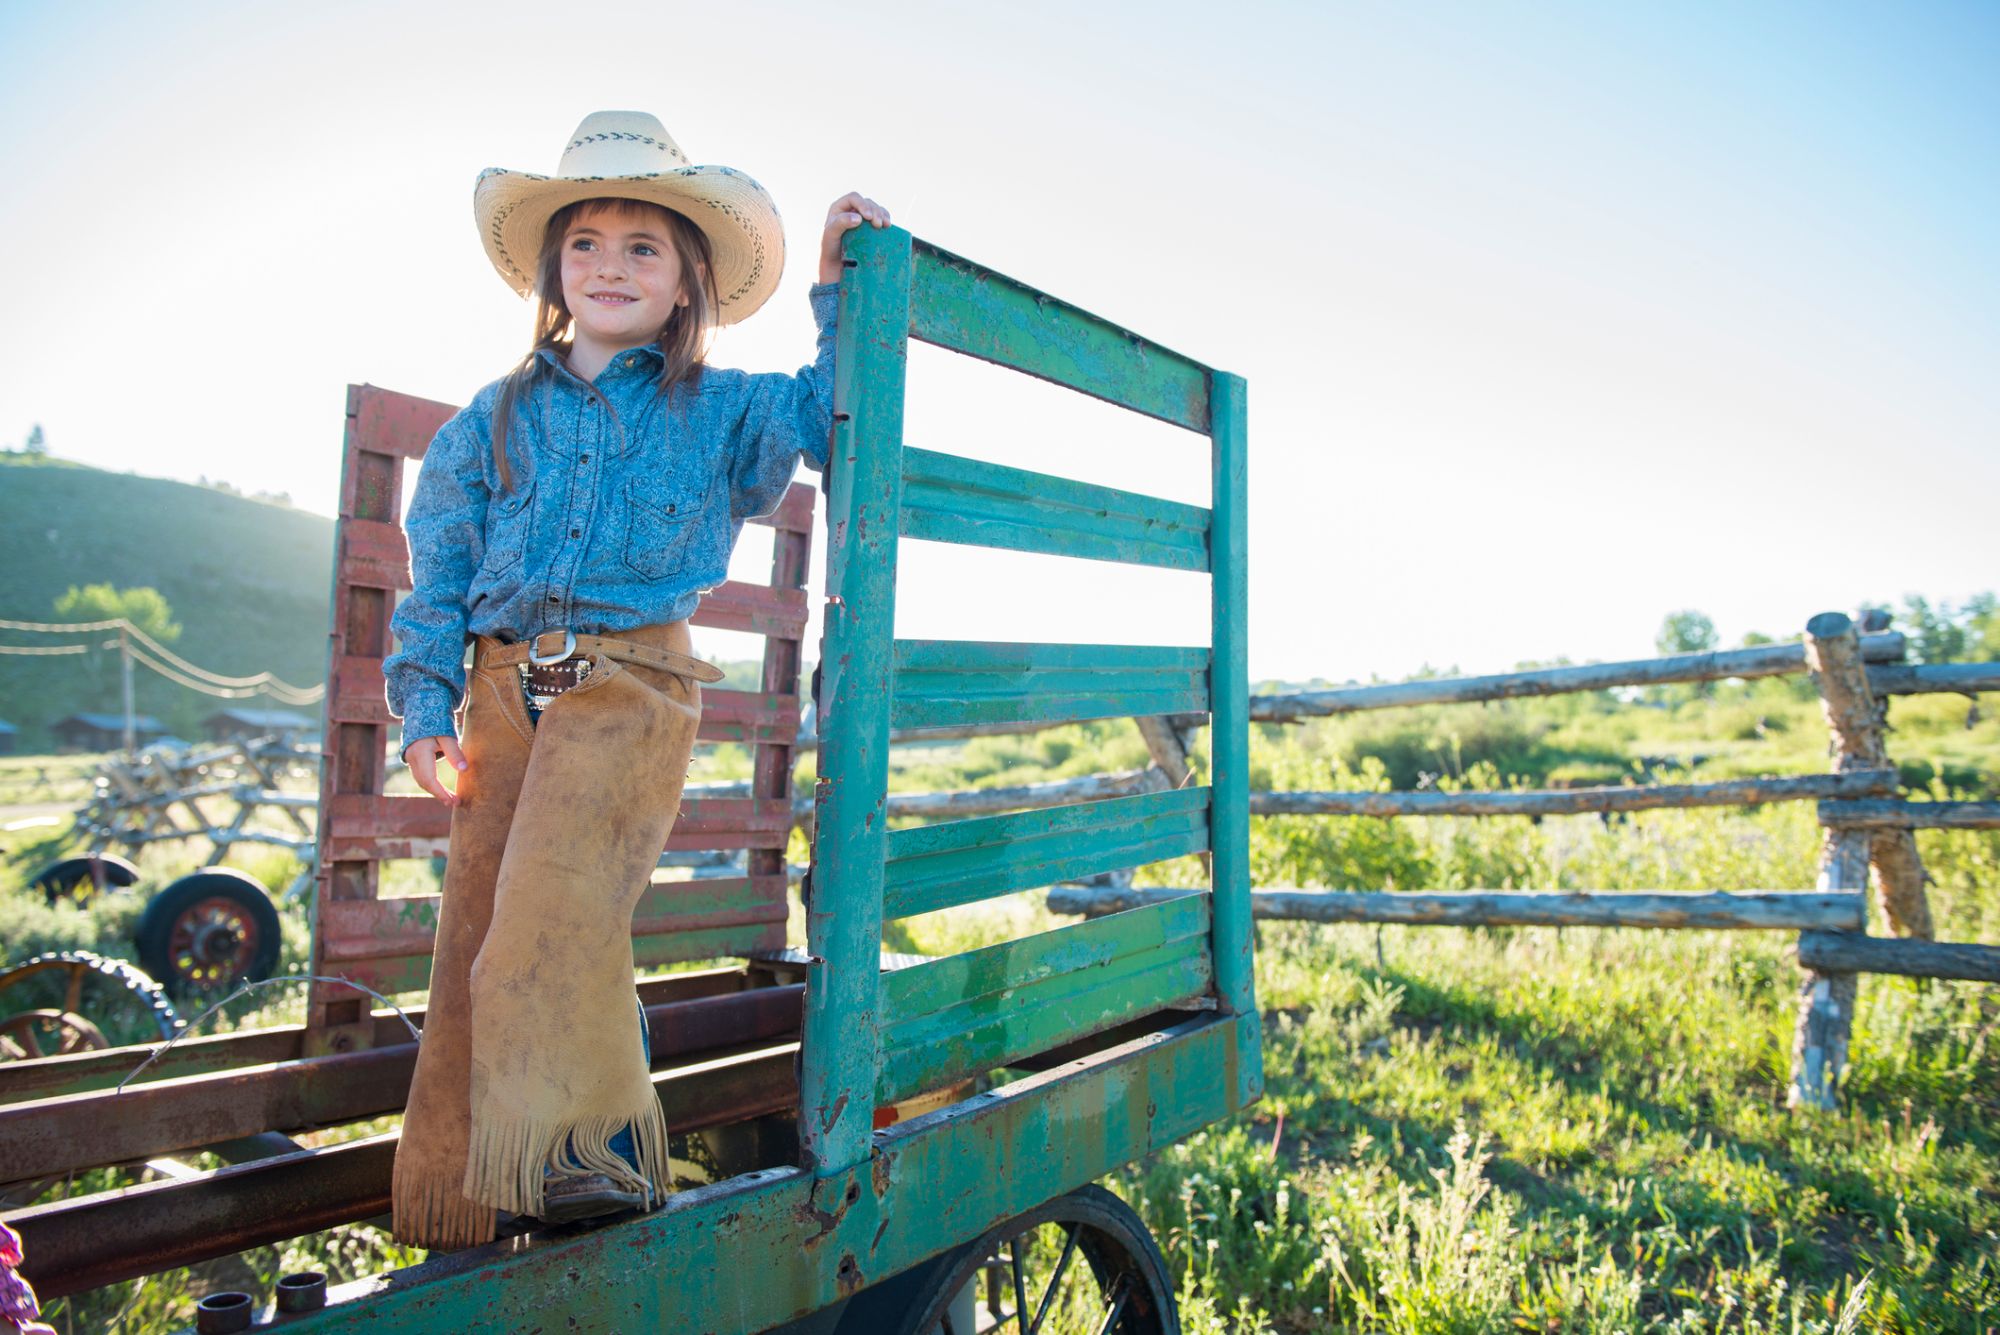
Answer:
x=644 y=249
x=583 y=243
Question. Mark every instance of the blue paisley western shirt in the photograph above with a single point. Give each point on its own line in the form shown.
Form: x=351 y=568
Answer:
x=625 y=505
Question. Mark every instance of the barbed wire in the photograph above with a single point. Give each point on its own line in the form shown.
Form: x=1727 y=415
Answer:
x=416 y=1034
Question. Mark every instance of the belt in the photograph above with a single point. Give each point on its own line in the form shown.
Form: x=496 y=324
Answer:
x=625 y=651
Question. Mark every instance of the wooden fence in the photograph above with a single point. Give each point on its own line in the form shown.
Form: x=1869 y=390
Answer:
x=1867 y=827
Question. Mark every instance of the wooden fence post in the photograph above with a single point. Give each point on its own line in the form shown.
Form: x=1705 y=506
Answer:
x=1854 y=715
x=1826 y=1000
x=1169 y=744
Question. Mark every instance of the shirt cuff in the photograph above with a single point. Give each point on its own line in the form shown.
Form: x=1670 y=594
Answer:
x=427 y=715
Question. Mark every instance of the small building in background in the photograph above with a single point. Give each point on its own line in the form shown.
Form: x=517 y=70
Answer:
x=230 y=725
x=10 y=736
x=104 y=732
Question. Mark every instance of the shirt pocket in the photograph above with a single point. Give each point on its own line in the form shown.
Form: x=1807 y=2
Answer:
x=659 y=520
x=507 y=525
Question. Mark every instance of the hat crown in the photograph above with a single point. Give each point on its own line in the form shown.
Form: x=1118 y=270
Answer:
x=620 y=143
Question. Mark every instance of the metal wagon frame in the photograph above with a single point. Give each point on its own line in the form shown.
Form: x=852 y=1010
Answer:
x=1134 y=1029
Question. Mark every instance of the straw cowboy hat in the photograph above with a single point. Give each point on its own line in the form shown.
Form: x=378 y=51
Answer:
x=629 y=155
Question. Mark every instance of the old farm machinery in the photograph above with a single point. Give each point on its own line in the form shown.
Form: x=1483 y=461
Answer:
x=868 y=1172
x=213 y=927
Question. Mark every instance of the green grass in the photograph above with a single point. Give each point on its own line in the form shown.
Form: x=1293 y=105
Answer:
x=1583 y=1130
x=1505 y=1130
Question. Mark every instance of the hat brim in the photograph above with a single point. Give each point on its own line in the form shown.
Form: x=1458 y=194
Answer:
x=746 y=237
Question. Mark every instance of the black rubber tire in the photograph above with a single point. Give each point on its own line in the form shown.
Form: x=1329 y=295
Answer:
x=252 y=946
x=66 y=879
x=146 y=994
x=1111 y=1238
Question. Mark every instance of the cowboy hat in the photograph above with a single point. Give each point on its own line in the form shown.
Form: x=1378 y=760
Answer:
x=629 y=155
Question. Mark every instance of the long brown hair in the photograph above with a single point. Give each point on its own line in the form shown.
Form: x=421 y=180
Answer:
x=683 y=340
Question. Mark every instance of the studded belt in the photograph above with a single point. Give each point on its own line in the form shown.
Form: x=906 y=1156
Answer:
x=549 y=670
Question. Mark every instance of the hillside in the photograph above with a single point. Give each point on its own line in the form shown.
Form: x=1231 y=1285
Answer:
x=247 y=581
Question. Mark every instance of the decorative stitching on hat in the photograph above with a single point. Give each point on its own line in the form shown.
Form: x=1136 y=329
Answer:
x=629 y=136
x=756 y=235
x=498 y=232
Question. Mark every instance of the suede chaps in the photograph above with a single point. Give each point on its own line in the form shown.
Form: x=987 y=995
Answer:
x=531 y=1058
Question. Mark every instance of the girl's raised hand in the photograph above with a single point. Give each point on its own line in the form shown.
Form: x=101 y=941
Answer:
x=849 y=211
x=422 y=757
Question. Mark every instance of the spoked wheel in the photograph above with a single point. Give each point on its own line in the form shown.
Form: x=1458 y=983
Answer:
x=1082 y=1264
x=208 y=931
x=48 y=1033
x=116 y=1001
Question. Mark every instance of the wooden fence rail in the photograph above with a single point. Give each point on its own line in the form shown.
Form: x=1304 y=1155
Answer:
x=1849 y=952
x=1577 y=801
x=1938 y=678
x=1867 y=828
x=1765 y=660
x=1894 y=815
x=1751 y=910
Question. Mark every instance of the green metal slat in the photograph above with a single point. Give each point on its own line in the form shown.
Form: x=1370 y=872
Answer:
x=942 y=682
x=769 y=1246
x=960 y=305
x=1229 y=735
x=980 y=1034
x=947 y=498
x=937 y=984
x=940 y=866
x=839 y=1047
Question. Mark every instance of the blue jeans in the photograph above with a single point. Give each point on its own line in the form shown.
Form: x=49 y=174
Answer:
x=621 y=1144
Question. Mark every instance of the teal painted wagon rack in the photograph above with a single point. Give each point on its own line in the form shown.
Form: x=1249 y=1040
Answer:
x=1121 y=1034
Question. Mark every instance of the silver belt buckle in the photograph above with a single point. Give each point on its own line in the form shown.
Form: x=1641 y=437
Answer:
x=544 y=660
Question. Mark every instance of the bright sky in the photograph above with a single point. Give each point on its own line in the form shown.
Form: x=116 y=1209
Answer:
x=1556 y=318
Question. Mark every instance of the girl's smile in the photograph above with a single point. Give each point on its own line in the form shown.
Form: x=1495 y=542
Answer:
x=621 y=279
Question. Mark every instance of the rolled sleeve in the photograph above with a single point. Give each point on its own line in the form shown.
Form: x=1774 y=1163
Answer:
x=446 y=527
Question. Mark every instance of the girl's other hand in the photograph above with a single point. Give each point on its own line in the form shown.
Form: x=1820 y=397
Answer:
x=848 y=212
x=422 y=758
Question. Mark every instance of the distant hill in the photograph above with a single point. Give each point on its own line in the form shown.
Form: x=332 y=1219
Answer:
x=247 y=580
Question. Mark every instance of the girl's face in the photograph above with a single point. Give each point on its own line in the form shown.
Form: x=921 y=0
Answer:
x=621 y=278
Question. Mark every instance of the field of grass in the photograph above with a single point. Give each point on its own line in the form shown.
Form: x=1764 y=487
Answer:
x=1543 y=1130
x=1508 y=1130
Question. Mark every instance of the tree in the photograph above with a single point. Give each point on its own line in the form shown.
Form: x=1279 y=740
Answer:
x=37 y=442
x=1685 y=632
x=144 y=608
x=1968 y=632
x=1982 y=628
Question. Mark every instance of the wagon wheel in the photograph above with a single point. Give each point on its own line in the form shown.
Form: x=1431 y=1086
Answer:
x=208 y=931
x=82 y=879
x=117 y=1001
x=1081 y=1264
x=48 y=1033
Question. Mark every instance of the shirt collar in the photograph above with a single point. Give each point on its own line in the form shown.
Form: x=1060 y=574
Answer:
x=645 y=362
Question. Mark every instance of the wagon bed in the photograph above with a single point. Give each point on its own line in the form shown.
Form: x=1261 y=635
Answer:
x=1126 y=1032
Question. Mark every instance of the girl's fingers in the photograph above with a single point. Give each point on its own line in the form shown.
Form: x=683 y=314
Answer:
x=852 y=209
x=422 y=760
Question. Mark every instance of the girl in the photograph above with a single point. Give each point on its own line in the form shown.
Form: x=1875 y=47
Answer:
x=565 y=522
